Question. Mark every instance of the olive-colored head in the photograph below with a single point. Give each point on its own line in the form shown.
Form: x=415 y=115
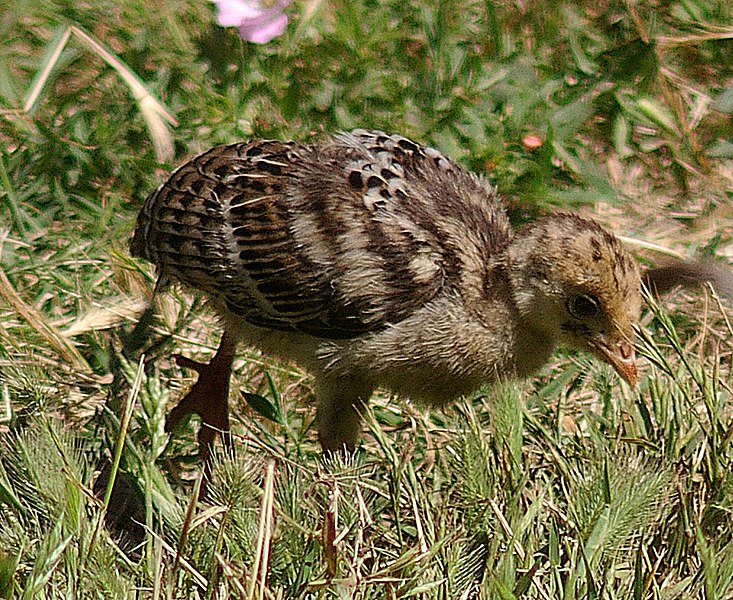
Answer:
x=574 y=283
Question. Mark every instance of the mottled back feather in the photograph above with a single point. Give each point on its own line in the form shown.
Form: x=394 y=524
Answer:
x=333 y=239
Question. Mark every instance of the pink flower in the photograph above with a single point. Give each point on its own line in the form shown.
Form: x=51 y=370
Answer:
x=257 y=23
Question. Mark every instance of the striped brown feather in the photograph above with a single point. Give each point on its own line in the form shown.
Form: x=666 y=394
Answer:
x=333 y=239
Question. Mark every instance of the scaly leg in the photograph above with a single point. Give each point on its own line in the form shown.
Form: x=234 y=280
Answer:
x=338 y=421
x=208 y=398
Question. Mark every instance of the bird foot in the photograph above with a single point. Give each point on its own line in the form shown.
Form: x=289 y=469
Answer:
x=208 y=398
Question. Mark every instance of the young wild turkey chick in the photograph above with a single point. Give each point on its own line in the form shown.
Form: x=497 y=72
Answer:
x=373 y=261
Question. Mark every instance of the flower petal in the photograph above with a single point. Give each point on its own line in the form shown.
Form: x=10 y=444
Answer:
x=263 y=28
x=231 y=13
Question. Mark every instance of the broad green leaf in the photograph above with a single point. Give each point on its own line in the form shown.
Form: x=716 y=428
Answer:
x=263 y=406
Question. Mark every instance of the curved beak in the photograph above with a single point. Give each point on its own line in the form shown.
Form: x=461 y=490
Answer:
x=621 y=356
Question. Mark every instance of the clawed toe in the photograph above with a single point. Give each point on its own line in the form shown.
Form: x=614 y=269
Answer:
x=208 y=398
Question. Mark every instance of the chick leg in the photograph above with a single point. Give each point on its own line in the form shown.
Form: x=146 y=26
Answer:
x=208 y=398
x=338 y=418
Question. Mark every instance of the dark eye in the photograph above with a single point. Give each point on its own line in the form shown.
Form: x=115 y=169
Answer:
x=583 y=306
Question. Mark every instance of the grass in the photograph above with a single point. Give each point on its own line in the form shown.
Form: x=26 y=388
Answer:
x=568 y=486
